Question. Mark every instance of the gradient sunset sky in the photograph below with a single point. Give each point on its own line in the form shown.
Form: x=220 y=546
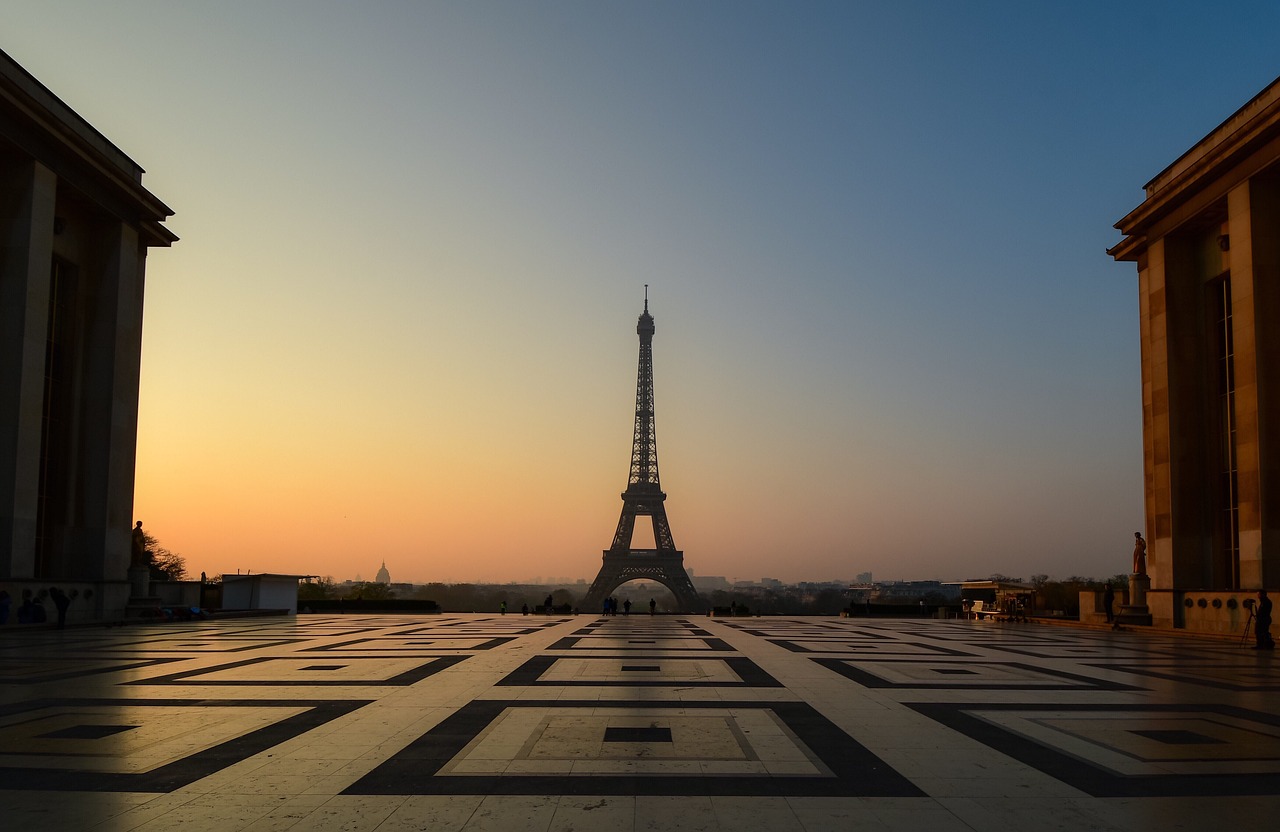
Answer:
x=400 y=323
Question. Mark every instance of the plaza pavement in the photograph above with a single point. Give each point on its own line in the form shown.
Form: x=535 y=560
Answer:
x=512 y=723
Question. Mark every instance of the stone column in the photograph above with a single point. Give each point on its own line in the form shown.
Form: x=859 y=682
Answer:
x=1254 y=211
x=110 y=400
x=1157 y=476
x=28 y=192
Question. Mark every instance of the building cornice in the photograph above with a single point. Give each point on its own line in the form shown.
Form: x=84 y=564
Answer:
x=1205 y=172
x=35 y=120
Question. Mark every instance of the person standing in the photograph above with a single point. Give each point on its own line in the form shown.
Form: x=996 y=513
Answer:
x=653 y=605
x=60 y=601
x=1108 y=598
x=1262 y=623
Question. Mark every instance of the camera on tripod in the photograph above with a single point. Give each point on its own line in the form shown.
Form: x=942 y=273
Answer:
x=1249 y=602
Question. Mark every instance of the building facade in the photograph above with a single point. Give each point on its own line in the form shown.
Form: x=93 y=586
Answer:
x=1206 y=243
x=76 y=224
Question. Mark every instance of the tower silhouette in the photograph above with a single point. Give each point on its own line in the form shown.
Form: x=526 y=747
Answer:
x=644 y=498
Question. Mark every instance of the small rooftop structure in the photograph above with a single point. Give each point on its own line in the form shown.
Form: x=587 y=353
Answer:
x=263 y=591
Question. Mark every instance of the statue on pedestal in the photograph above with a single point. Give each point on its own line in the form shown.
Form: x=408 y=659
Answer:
x=139 y=555
x=1139 y=554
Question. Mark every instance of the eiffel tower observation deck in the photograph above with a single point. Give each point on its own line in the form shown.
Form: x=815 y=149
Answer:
x=644 y=498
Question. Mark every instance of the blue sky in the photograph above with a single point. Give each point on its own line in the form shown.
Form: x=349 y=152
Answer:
x=400 y=322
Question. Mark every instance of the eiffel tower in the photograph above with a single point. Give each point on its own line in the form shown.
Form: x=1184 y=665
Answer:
x=644 y=498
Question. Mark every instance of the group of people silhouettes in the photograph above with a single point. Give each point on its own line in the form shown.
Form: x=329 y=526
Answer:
x=610 y=606
x=32 y=611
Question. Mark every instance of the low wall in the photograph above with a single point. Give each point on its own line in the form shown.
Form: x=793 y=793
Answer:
x=1222 y=612
x=178 y=593
x=93 y=601
x=1094 y=611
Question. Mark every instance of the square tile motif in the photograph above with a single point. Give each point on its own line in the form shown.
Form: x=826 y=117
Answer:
x=391 y=644
x=625 y=671
x=668 y=644
x=485 y=631
x=888 y=647
x=1225 y=674
x=30 y=671
x=697 y=748
x=356 y=670
x=1072 y=650
x=143 y=745
x=634 y=628
x=1130 y=751
x=85 y=732
x=808 y=633
x=198 y=645
x=952 y=675
x=643 y=734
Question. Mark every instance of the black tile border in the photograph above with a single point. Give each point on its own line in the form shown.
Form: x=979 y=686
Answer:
x=1092 y=780
x=131 y=664
x=826 y=635
x=934 y=649
x=784 y=624
x=1167 y=671
x=713 y=644
x=858 y=772
x=869 y=680
x=750 y=673
x=409 y=677
x=1099 y=651
x=355 y=644
x=487 y=631
x=175 y=775
x=313 y=632
x=542 y=621
x=145 y=646
x=681 y=629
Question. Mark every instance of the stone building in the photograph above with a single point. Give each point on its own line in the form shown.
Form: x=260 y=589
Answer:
x=76 y=224
x=1206 y=242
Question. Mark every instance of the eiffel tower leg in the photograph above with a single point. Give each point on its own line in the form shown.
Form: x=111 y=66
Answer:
x=687 y=600
x=607 y=580
x=667 y=570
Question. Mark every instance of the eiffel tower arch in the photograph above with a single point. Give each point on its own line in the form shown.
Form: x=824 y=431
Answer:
x=644 y=498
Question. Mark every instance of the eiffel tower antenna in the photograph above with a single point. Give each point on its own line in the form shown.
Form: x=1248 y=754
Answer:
x=644 y=498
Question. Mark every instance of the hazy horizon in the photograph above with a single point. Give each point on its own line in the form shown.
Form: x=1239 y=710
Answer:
x=400 y=321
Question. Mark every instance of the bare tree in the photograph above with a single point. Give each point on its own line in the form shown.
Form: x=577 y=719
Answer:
x=166 y=565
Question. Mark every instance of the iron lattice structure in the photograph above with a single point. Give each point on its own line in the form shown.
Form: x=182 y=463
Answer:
x=644 y=498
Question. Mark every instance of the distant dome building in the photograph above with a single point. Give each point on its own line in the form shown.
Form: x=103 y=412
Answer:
x=384 y=577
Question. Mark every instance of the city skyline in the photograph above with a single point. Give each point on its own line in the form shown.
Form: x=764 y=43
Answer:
x=399 y=323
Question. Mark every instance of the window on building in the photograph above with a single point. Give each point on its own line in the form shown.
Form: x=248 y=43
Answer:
x=1227 y=500
x=51 y=508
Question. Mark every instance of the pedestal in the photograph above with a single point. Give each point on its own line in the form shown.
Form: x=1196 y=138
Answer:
x=142 y=604
x=139 y=582
x=1135 y=612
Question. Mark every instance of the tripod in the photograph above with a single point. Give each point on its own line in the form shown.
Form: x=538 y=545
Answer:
x=1244 y=635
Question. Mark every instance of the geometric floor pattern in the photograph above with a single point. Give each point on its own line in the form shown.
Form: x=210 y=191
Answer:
x=478 y=722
